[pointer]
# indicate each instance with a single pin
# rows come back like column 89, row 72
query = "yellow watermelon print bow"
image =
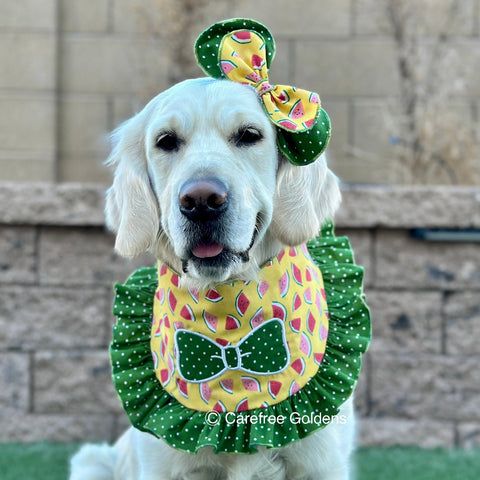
column 241, row 50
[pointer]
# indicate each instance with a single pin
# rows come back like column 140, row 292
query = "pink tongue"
column 207, row 250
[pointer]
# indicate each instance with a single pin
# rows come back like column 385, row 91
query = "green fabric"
column 267, row 341
column 299, row 147
column 152, row 410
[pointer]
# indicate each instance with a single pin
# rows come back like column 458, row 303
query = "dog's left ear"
column 306, row 197
column 131, row 209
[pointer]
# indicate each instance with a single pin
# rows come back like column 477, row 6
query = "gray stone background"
column 70, row 71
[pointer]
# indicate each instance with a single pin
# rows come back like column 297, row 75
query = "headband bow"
column 242, row 51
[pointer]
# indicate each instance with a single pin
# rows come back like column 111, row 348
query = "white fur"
column 284, row 204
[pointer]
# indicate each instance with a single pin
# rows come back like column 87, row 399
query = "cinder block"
column 423, row 432
column 347, row 69
column 84, row 17
column 339, row 113
column 33, row 318
column 469, row 434
column 410, row 263
column 82, row 257
column 406, row 322
column 28, row 122
column 433, row 17
column 74, row 382
column 27, row 166
column 83, row 124
column 37, row 427
column 28, row 61
column 462, row 313
column 420, row 386
column 17, row 255
column 14, row 383
column 86, row 168
column 328, row 18
column 28, row 15
column 83, row 139
column 111, row 64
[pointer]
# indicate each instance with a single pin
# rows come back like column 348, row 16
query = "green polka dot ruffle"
column 153, row 410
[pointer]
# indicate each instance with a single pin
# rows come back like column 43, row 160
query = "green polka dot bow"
column 242, row 50
column 263, row 351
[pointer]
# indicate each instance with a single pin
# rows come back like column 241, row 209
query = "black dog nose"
column 203, row 200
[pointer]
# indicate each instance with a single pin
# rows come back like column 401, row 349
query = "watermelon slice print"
column 297, row 275
column 295, row 324
column 187, row 313
column 305, row 345
column 241, row 303
column 227, row 385
column 213, row 296
column 314, row 98
column 318, row 357
column 262, row 288
column 287, row 124
column 299, row 365
column 219, row 407
column 231, row 323
column 160, row 295
column 257, row 319
column 193, row 293
column 297, row 111
column 211, row 321
column 242, row 36
column 307, row 296
column 172, row 301
column 175, row 279
column 273, row 388
column 323, row 333
column 182, row 386
column 279, row 311
column 242, row 406
column 297, row 302
column 311, row 322
column 283, row 97
column 251, row 384
column 205, row 392
column 294, row 388
column 257, row 62
column 227, row 66
column 163, row 270
column 283, row 284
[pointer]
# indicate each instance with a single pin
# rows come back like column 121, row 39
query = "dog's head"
column 200, row 182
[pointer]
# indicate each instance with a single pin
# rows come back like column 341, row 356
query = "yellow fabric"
column 290, row 288
column 243, row 60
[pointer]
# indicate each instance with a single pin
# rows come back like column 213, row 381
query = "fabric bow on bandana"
column 263, row 351
column 242, row 50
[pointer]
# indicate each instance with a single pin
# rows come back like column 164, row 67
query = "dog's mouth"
column 212, row 254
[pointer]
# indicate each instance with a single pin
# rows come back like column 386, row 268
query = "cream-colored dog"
column 209, row 140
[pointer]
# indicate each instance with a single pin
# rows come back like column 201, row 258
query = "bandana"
column 286, row 347
column 242, row 50
column 242, row 345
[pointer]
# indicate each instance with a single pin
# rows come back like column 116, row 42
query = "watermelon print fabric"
column 241, row 50
column 230, row 347
column 152, row 409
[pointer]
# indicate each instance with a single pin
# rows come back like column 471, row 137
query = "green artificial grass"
column 40, row 461
column 35, row 461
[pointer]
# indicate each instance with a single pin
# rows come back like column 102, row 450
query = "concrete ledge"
column 363, row 206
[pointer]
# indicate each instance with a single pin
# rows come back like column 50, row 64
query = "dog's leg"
column 265, row 465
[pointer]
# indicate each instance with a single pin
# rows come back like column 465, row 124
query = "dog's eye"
column 168, row 141
column 248, row 136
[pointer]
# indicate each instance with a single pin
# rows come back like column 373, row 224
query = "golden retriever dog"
column 206, row 148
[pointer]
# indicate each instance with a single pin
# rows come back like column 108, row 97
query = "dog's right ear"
column 131, row 209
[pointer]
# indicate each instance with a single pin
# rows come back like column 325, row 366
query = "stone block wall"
column 420, row 383
column 73, row 70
